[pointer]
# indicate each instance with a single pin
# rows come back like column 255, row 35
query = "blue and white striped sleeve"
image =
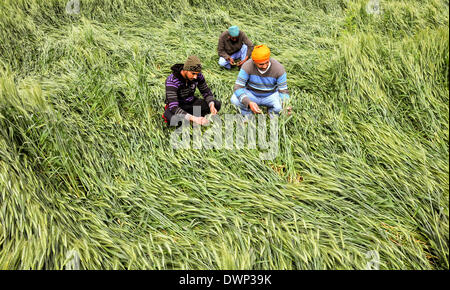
column 282, row 86
column 240, row 84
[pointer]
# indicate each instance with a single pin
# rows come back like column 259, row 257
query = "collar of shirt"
column 264, row 71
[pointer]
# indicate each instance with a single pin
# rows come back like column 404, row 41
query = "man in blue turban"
column 234, row 45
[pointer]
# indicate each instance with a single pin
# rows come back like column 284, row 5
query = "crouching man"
column 260, row 82
column 180, row 99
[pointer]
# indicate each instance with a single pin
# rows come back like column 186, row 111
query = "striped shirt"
column 260, row 84
column 181, row 91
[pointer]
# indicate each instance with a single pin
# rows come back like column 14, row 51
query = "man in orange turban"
column 261, row 82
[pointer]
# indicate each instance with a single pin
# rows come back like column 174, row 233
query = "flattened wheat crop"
column 89, row 179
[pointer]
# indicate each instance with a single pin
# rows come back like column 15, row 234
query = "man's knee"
column 171, row 119
column 235, row 101
column 275, row 103
column 223, row 62
column 244, row 49
column 277, row 109
column 217, row 105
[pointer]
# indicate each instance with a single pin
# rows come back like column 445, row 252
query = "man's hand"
column 212, row 109
column 255, row 108
column 242, row 61
column 199, row 120
column 231, row 60
column 289, row 110
column 285, row 103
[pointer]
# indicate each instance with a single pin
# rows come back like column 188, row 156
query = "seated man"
column 180, row 89
column 260, row 82
column 233, row 45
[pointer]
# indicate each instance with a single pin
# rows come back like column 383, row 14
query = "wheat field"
column 86, row 164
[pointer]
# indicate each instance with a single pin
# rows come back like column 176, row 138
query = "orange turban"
column 260, row 53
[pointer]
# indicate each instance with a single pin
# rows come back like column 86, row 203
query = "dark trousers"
column 189, row 108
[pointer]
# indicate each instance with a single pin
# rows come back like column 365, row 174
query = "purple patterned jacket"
column 181, row 91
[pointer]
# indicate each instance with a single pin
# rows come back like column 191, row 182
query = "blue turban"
column 233, row 31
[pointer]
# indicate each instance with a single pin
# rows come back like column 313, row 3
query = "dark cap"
column 192, row 64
